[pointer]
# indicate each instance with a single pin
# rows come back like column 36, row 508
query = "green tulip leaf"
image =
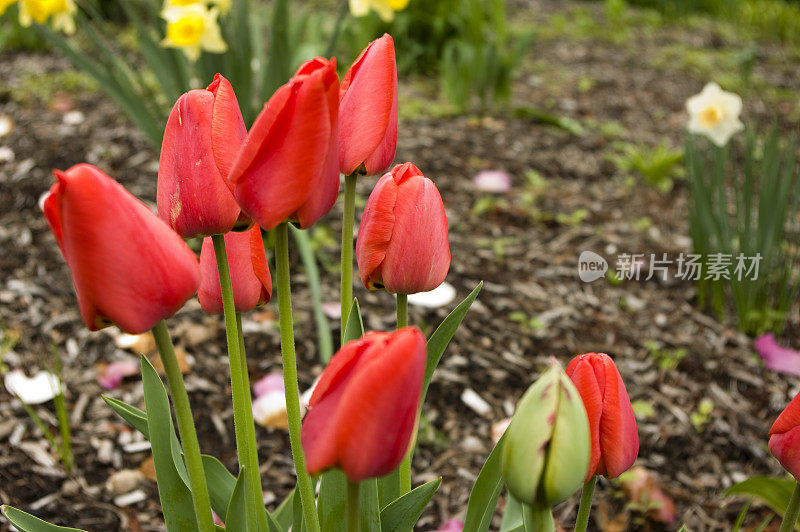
column 332, row 499
column 176, row 499
column 441, row 337
column 355, row 325
column 485, row 492
column 403, row 513
column 27, row 523
column 131, row 414
column 772, row 491
column 236, row 513
column 221, row 484
column 370, row 507
column 512, row 516
column 283, row 515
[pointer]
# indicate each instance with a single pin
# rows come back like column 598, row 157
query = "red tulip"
column 615, row 440
column 204, row 133
column 402, row 240
column 368, row 110
column 363, row 412
column 784, row 438
column 128, row 267
column 288, row 168
column 252, row 284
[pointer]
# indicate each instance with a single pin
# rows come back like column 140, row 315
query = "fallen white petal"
column 438, row 297
column 492, row 181
column 332, row 309
column 6, row 125
column 477, row 403
column 269, row 411
column 35, row 390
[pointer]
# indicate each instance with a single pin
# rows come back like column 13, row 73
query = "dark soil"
column 517, row 244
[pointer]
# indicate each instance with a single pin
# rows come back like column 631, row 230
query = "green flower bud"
column 546, row 452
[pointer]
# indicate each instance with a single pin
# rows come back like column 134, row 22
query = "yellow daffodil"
column 4, row 4
column 715, row 114
column 223, row 5
column 193, row 28
column 385, row 8
column 60, row 12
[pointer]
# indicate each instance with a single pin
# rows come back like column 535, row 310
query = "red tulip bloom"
column 252, row 284
column 288, row 168
column 363, row 412
column 784, row 438
column 615, row 440
column 368, row 110
column 128, row 267
column 402, row 241
column 204, row 133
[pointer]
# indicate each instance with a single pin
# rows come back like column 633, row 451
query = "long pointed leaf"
column 403, row 513
column 236, row 514
column 25, row 522
column 485, row 492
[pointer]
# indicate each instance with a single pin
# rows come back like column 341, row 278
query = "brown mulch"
column 519, row 246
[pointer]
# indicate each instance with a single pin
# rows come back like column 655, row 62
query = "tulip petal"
column 192, row 195
column 227, row 126
column 377, row 415
column 372, row 242
column 127, row 265
column 368, row 110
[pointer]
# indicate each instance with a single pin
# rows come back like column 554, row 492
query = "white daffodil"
column 715, row 114
column 193, row 28
column 385, row 8
column 60, row 12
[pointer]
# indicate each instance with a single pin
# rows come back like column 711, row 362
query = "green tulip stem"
column 792, row 511
column 284, row 291
column 348, row 220
column 585, row 507
column 246, row 445
column 538, row 518
column 404, row 474
column 183, row 413
column 353, row 510
column 402, row 311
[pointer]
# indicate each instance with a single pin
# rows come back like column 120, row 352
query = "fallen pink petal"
column 111, row 376
column 776, row 357
column 451, row 525
column 495, row 181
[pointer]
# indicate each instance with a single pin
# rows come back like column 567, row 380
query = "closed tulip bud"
column 402, row 241
column 363, row 412
column 615, row 440
column 546, row 450
column 368, row 110
column 784, row 438
column 128, row 267
column 288, row 166
column 247, row 261
column 203, row 135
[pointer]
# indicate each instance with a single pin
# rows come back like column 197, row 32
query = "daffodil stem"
column 284, row 290
column 183, row 414
column 585, row 507
column 792, row 511
column 347, row 249
column 405, row 466
column 353, row 509
column 246, row 445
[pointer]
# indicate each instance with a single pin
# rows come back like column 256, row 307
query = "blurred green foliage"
column 467, row 43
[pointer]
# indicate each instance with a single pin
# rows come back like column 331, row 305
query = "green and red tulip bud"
column 546, row 451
